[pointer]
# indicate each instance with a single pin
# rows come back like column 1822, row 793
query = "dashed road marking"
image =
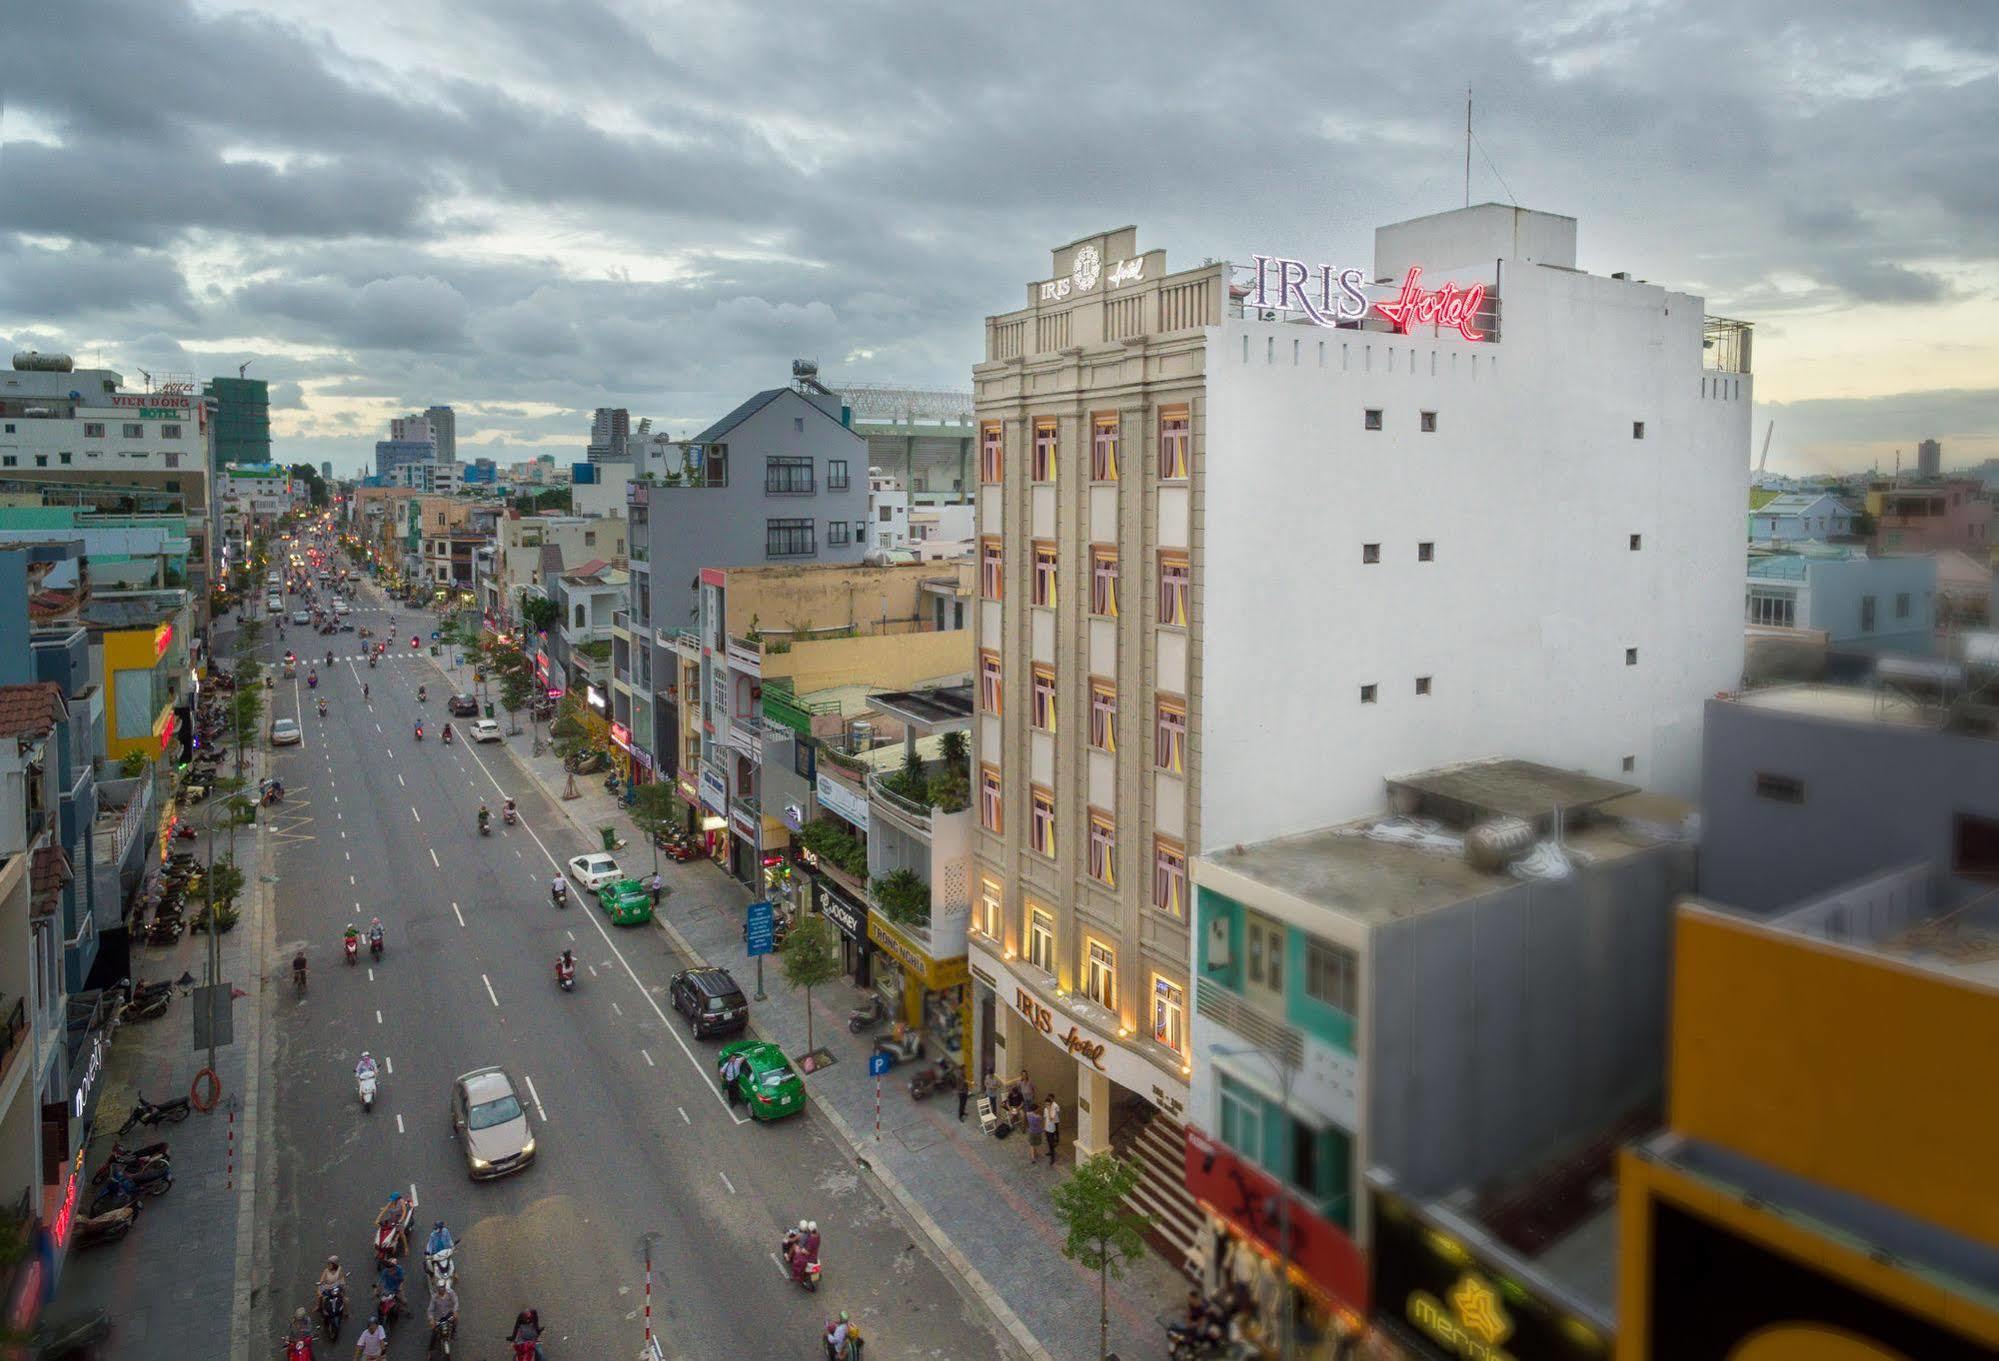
column 433, row 858
column 456, row 913
column 399, row 1123
column 378, row 1017
column 537, row 1099
column 726, row 1182
column 648, row 1058
column 489, row 989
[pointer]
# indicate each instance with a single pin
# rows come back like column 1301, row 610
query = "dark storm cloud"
column 876, row 177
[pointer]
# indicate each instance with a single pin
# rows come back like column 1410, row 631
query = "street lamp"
column 1285, row 1327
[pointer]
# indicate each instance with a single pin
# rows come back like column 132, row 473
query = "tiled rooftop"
column 29, row 710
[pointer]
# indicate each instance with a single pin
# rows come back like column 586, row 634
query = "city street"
column 634, row 1140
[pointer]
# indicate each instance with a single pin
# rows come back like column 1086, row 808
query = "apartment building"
column 1952, row 512
column 1240, row 555
column 54, row 416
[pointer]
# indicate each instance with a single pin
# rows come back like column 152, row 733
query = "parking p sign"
column 877, row 1063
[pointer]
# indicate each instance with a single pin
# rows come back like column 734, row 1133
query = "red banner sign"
column 1248, row 1198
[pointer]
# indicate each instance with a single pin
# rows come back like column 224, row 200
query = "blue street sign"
column 760, row 934
column 877, row 1063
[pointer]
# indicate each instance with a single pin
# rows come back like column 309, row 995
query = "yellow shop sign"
column 1471, row 1324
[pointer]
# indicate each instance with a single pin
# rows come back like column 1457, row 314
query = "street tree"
column 809, row 957
column 653, row 812
column 516, row 689
column 1103, row 1234
column 537, row 612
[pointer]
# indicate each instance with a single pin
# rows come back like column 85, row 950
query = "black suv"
column 710, row 1000
column 462, row 706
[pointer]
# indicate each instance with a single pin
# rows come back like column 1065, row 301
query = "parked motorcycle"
column 869, row 1014
column 109, row 1227
column 934, row 1079
column 123, row 1190
column 147, row 1113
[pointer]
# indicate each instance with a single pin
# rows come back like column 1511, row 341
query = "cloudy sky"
column 530, row 208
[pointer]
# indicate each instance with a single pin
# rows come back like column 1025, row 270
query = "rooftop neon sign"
column 1328, row 296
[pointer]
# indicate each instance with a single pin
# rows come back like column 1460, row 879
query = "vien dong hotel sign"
column 1329, row 296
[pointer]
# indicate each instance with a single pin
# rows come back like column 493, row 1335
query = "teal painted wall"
column 1323, row 1022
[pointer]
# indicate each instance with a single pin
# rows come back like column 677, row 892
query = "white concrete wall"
column 1529, row 488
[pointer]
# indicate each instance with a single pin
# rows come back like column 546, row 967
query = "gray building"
column 781, row 479
column 1861, row 604
column 1929, row 458
column 1809, row 787
column 610, row 435
column 443, row 432
column 391, row 454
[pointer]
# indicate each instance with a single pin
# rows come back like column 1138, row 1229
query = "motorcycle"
column 808, row 1278
column 375, row 944
column 560, row 893
column 930, row 1080
column 388, row 1308
column 312, row 680
column 109, row 1227
column 366, row 1082
column 901, row 1047
column 352, row 946
column 371, row 661
column 565, row 976
column 441, row 1268
column 332, row 1310
column 419, row 732
column 869, row 1014
column 146, row 1009
column 123, row 1190
column 171, row 1112
column 322, row 708
column 509, row 814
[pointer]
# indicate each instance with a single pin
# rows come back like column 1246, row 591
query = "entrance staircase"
column 1158, row 1146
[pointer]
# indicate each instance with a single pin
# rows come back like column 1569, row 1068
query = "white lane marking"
column 648, row 1058
column 779, row 1265
column 378, row 1016
column 348, row 854
column 350, row 881
column 433, row 858
column 632, row 974
column 683, row 1115
column 391, row 1064
column 413, row 813
column 401, row 781
column 371, row 973
column 536, row 1096
column 414, row 1202
column 592, row 968
column 615, row 1007
column 340, row 816
column 399, row 1123
column 726, row 1182
column 343, row 836
column 489, row 989
column 571, row 935
column 456, row 913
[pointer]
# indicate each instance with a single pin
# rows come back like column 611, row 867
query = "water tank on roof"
column 860, row 736
column 34, row 361
column 1494, row 844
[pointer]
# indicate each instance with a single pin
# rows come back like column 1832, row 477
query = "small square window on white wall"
column 1372, row 419
column 1430, row 419
column 1638, row 430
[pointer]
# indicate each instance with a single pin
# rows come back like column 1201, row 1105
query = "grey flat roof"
column 1521, row 789
column 1842, row 702
column 939, row 710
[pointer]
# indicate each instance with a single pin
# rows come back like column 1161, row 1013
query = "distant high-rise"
column 326, row 469
column 242, row 419
column 411, row 428
column 1929, row 458
column 444, row 431
column 610, row 434
column 391, row 454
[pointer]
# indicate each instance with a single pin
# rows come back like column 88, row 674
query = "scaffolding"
column 910, row 406
column 1725, row 344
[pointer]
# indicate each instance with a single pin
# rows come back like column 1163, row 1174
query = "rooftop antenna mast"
column 1467, row 146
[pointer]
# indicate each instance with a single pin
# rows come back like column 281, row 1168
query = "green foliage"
column 654, row 812
column 809, row 957
column 134, row 764
column 538, row 612
column 224, row 882
column 950, row 791
column 830, row 841
column 904, row 896
column 1102, row 1234
column 957, row 751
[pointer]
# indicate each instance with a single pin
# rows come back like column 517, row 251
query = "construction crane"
column 1768, row 430
column 244, row 367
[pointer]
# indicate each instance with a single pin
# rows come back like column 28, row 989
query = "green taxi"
column 767, row 1085
column 626, row 901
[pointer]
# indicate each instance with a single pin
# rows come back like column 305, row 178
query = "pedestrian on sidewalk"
column 964, row 1094
column 1033, row 1134
column 1051, row 1124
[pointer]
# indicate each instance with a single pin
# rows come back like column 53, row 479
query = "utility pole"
column 1467, row 146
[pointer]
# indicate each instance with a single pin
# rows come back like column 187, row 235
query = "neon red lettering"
column 1447, row 306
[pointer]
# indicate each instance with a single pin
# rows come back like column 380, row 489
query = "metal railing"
column 909, row 809
column 1234, row 1013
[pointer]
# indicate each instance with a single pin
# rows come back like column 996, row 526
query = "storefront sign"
column 151, row 399
column 622, row 736
column 1453, row 1304
column 66, row 1215
column 852, row 918
column 160, row 413
column 91, row 1067
column 643, row 757
column 794, row 817
column 937, row 974
column 1328, row 296
column 746, row 825
column 1088, row 270
column 1248, row 1198
column 714, row 793
column 848, row 803
column 1043, row 1020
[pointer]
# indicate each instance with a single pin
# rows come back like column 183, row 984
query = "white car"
column 486, row 730
column 301, row 616
column 340, row 607
column 285, row 732
column 595, row 871
column 274, row 605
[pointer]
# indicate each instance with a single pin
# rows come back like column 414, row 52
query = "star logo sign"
column 1479, row 1310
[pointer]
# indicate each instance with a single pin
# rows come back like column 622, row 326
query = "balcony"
column 745, row 655
column 913, row 812
column 747, row 737
column 1234, row 1014
column 785, row 708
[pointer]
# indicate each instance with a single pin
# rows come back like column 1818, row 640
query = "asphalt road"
column 633, row 1136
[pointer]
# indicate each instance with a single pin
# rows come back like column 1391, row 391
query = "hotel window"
column 1041, row 829
column 1175, row 435
column 1100, row 975
column 1103, row 714
column 992, row 454
column 1103, row 450
column 1169, row 876
column 989, row 799
column 170, row 432
column 1772, row 608
column 1265, row 941
column 1044, row 451
column 1103, row 848
column 135, row 430
column 1169, row 736
column 91, row 429
column 1103, row 581
column 1332, row 976
column 991, row 901
column 989, row 682
column 1426, row 552
column 1044, row 573
column 1040, row 940
column 1169, row 1014
column 1370, row 553
column 992, row 569
column 1042, row 711
column 1175, row 589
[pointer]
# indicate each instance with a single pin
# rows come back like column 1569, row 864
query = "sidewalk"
column 984, row 1207
column 180, row 1284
